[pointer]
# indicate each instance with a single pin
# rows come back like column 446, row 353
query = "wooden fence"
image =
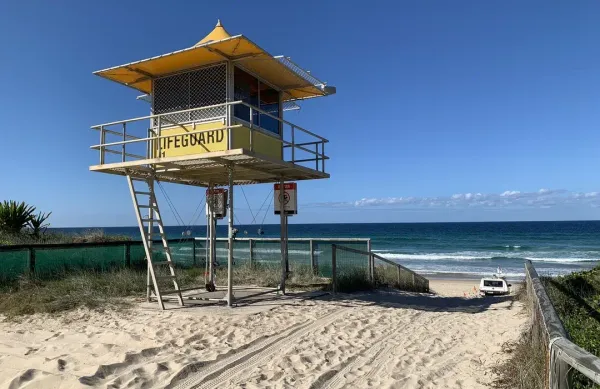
column 562, row 355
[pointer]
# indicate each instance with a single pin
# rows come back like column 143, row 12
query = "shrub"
column 14, row 217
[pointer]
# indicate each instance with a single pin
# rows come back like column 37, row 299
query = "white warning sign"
column 289, row 198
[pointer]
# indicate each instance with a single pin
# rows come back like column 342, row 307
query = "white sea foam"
column 474, row 273
column 471, row 256
column 259, row 250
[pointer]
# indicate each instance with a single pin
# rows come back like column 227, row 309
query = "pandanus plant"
column 14, row 217
column 38, row 224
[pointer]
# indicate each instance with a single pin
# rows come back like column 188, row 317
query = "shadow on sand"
column 390, row 298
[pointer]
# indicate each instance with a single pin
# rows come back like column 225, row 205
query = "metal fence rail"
column 562, row 355
column 382, row 271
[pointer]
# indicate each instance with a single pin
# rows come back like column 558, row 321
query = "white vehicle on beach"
column 495, row 285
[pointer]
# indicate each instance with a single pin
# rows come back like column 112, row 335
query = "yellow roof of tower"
column 216, row 47
column 217, row 34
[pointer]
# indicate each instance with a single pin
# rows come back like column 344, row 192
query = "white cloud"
column 543, row 198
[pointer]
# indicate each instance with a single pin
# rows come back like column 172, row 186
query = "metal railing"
column 403, row 277
column 148, row 137
column 562, row 355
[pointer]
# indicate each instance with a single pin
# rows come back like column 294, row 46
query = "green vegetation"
column 85, row 289
column 98, row 290
column 525, row 367
column 38, row 223
column 15, row 217
column 354, row 279
column 20, row 224
column 387, row 276
column 88, row 236
column 576, row 298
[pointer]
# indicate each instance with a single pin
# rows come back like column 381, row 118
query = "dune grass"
column 99, row 289
column 96, row 289
column 88, row 236
column 524, row 369
column 576, row 298
column 82, row 289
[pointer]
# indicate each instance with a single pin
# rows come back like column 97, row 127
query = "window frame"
column 259, row 80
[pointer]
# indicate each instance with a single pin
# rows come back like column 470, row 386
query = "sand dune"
column 383, row 340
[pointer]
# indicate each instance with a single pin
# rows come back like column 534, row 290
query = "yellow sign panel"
column 185, row 140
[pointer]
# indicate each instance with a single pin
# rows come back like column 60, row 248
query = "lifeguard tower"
column 217, row 119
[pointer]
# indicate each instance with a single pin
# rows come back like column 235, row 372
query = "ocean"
column 466, row 249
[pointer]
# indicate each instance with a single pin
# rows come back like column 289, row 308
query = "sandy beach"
column 450, row 339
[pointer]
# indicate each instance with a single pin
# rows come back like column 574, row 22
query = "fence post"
column 399, row 270
column 334, row 268
column 194, row 252
column 371, row 262
column 559, row 374
column 414, row 281
column 313, row 264
column 251, row 253
column 31, row 260
column 127, row 255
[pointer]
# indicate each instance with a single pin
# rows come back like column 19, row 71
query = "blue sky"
column 445, row 109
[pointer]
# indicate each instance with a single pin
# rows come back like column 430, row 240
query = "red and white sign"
column 289, row 198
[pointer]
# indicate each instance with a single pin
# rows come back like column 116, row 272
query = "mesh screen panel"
column 51, row 261
column 198, row 88
column 13, row 264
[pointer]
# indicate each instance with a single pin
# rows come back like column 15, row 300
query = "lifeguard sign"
column 289, row 199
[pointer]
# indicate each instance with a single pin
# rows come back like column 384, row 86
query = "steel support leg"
column 283, row 237
column 230, row 241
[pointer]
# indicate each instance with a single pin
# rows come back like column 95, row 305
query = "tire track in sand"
column 385, row 356
column 222, row 371
column 373, row 356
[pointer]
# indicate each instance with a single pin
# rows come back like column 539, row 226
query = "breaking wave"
column 474, row 256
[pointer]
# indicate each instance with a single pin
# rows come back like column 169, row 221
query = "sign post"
column 216, row 208
column 285, row 203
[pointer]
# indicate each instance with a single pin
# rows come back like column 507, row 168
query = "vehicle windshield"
column 492, row 283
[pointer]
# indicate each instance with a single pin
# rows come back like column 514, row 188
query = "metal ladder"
column 146, row 225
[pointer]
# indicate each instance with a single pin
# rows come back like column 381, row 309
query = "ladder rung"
column 138, row 179
column 143, row 193
column 158, row 248
column 146, row 206
column 147, row 220
column 160, row 263
column 165, row 292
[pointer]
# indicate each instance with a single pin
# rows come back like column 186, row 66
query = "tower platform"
column 211, row 168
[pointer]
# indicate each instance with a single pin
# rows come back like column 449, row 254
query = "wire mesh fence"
column 49, row 260
column 356, row 269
